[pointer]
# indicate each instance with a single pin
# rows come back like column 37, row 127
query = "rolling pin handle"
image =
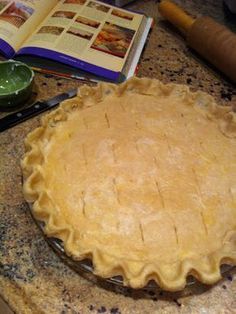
column 174, row 14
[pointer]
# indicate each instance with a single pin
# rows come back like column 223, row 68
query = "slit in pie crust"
column 140, row 178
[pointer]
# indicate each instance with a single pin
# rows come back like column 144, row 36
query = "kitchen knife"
column 38, row 107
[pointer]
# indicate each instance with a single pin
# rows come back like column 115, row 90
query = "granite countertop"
column 33, row 279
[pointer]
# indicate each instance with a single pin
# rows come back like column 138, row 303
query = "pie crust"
column 140, row 178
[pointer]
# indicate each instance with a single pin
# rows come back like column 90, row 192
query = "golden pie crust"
column 140, row 178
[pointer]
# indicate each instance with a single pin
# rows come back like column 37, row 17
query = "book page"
column 90, row 31
column 19, row 18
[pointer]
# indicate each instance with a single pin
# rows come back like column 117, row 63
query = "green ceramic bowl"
column 16, row 81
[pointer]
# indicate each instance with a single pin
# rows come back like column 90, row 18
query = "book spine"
column 71, row 61
column 6, row 50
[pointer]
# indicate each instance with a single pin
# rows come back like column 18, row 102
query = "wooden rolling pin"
column 211, row 40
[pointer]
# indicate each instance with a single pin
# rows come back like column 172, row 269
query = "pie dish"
column 140, row 178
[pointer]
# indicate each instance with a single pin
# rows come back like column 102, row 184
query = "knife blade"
column 38, row 107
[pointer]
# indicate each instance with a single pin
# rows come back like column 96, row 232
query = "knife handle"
column 20, row 116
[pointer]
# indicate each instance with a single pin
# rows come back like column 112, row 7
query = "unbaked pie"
column 140, row 178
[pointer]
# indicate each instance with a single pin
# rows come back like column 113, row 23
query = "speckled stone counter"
column 33, row 279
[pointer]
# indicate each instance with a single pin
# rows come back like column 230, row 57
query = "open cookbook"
column 76, row 37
